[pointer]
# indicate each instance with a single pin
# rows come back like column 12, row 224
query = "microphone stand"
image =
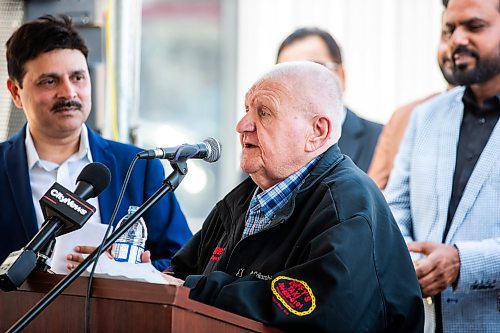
column 44, row 255
column 168, row 185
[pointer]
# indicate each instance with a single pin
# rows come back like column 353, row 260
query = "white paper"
column 91, row 234
column 145, row 272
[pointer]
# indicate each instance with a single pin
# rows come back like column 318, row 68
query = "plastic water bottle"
column 130, row 246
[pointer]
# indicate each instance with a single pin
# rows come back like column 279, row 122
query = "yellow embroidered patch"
column 294, row 295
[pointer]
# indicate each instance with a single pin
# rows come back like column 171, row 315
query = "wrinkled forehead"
column 276, row 89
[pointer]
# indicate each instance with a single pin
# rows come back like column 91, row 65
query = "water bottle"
column 130, row 246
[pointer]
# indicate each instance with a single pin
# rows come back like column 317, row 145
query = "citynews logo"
column 67, row 201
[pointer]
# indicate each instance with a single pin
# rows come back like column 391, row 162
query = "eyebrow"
column 468, row 22
column 55, row 75
column 474, row 20
column 47, row 75
column 80, row 71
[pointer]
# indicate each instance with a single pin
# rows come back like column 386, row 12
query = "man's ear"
column 13, row 87
column 321, row 130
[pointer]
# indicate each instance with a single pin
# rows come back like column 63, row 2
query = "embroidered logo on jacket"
column 261, row 276
column 294, row 295
column 217, row 253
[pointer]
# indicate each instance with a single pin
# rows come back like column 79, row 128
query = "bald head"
column 312, row 88
column 292, row 115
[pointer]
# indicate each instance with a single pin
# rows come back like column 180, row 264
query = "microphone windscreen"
column 97, row 175
column 215, row 149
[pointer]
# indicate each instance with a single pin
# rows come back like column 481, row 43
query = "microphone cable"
column 100, row 248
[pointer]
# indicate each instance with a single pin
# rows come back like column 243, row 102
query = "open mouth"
column 457, row 57
column 249, row 145
column 463, row 56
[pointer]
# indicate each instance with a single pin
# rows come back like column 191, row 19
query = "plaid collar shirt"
column 264, row 205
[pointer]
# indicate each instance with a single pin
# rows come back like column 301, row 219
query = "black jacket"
column 332, row 260
column 359, row 139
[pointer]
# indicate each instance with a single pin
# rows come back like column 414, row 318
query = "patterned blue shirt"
column 264, row 205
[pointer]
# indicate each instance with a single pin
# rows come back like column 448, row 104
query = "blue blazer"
column 359, row 138
column 167, row 227
column 419, row 192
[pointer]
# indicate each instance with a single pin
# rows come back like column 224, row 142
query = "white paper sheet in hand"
column 90, row 234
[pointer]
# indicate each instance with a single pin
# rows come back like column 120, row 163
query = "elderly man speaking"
column 307, row 243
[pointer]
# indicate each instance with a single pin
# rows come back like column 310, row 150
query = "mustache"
column 66, row 104
column 465, row 50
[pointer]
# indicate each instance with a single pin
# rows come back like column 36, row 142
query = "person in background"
column 392, row 133
column 359, row 136
column 49, row 80
column 307, row 243
column 445, row 184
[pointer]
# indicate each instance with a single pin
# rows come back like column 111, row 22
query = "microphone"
column 92, row 180
column 71, row 208
column 64, row 212
column 209, row 150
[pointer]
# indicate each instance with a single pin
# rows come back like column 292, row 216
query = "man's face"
column 444, row 60
column 312, row 48
column 472, row 28
column 273, row 133
column 56, row 93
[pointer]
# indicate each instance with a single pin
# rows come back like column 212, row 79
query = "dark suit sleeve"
column 167, row 226
column 335, row 286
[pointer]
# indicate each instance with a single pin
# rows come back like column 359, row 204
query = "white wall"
column 389, row 46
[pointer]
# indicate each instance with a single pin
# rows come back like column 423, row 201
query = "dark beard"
column 448, row 76
column 485, row 69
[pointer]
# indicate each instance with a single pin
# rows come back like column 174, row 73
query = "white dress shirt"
column 45, row 173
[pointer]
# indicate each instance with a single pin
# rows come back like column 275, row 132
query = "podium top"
column 131, row 293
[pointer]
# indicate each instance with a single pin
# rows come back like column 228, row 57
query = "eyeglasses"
column 330, row 65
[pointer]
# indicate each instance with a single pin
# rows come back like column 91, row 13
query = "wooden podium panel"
column 118, row 306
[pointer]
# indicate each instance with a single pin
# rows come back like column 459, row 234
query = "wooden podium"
column 118, row 306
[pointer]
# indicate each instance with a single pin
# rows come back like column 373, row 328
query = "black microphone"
column 209, row 150
column 93, row 178
column 64, row 212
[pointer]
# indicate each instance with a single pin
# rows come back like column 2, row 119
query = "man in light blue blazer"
column 49, row 80
column 444, row 190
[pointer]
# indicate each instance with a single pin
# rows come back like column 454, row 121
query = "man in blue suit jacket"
column 359, row 136
column 444, row 189
column 49, row 80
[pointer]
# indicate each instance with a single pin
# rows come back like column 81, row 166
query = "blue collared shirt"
column 264, row 205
